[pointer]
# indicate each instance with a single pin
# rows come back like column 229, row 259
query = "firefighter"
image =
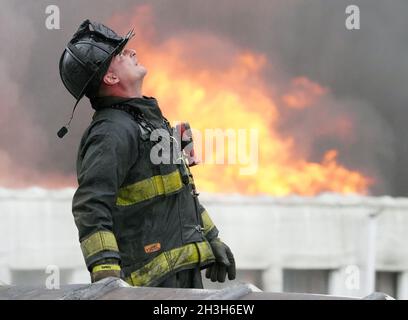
column 137, row 220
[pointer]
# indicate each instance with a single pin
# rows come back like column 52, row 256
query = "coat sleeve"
column 103, row 162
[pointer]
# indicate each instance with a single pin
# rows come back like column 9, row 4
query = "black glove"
column 104, row 269
column 224, row 262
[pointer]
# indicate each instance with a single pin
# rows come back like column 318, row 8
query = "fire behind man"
column 137, row 220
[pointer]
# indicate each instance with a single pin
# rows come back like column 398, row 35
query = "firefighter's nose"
column 132, row 52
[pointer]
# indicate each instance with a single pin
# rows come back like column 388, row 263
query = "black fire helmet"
column 86, row 60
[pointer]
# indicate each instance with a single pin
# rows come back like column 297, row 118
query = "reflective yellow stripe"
column 149, row 188
column 104, row 267
column 171, row 260
column 208, row 223
column 97, row 242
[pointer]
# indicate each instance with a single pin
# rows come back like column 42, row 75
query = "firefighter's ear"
column 110, row 79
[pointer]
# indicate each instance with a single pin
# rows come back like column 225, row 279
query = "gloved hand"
column 104, row 269
column 224, row 262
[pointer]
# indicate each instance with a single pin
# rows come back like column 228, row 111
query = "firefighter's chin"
column 141, row 70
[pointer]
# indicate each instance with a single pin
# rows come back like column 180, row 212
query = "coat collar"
column 147, row 106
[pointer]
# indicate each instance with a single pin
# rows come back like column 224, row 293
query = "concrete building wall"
column 296, row 243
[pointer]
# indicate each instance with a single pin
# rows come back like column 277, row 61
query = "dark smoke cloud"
column 365, row 71
column 22, row 140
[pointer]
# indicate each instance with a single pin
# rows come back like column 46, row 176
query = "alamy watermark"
column 52, row 21
column 52, row 282
column 211, row 146
column 353, row 17
column 352, row 279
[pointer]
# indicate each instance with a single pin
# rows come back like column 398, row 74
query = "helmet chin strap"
column 64, row 130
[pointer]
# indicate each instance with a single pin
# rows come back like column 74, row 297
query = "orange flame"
column 206, row 80
column 304, row 93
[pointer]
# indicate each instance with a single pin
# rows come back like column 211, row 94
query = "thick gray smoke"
column 365, row 70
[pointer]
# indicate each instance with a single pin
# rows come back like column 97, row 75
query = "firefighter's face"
column 126, row 68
